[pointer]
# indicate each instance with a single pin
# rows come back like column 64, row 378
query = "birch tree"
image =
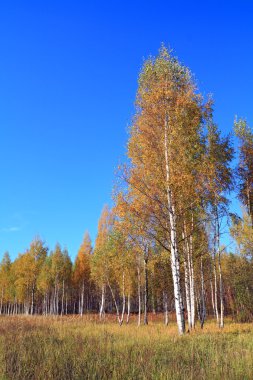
column 100, row 259
column 219, row 183
column 5, row 280
column 165, row 136
column 245, row 165
column 82, row 272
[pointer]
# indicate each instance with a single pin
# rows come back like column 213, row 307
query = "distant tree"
column 59, row 262
column 241, row 230
column 5, row 280
column 26, row 270
column 100, row 263
column 45, row 284
column 219, row 181
column 245, row 166
column 37, row 252
column 82, row 272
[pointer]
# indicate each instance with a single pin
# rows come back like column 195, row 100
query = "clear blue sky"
column 68, row 77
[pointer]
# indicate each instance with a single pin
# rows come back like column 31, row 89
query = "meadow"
column 45, row 348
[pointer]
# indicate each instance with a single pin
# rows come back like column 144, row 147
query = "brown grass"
column 45, row 348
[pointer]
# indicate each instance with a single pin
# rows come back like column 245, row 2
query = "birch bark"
column 145, row 320
column 203, row 304
column 128, row 308
column 175, row 264
column 139, row 296
column 220, row 271
column 102, row 305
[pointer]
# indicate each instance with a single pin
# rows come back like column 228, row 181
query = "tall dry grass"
column 84, row 348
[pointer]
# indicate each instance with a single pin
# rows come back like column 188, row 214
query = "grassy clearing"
column 73, row 348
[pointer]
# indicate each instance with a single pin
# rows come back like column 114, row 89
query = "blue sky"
column 68, row 77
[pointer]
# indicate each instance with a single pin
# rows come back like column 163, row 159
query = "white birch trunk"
column 192, row 278
column 128, row 309
column 82, row 300
column 145, row 319
column 2, row 296
column 62, row 298
column 115, row 302
column 139, row 296
column 187, row 294
column 124, row 300
column 212, row 296
column 175, row 264
column 102, row 305
column 32, row 304
column 203, row 304
column 165, row 303
column 220, row 272
column 215, row 292
column 186, row 277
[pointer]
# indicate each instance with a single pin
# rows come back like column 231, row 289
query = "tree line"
column 160, row 248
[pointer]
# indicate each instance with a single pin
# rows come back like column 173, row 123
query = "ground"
column 45, row 348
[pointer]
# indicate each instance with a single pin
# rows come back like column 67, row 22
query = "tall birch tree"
column 164, row 149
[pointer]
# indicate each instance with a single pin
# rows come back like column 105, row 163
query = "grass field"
column 83, row 348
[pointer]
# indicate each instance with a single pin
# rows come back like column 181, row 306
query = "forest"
column 164, row 246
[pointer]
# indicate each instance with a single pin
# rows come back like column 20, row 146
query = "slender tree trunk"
column 139, row 296
column 186, row 276
column 153, row 300
column 66, row 306
column 124, row 300
column 153, row 303
column 203, row 304
column 102, row 305
column 249, row 202
column 57, row 300
column 32, row 305
column 175, row 263
column 62, row 298
column 46, row 303
column 145, row 289
column 128, row 308
column 2, row 296
column 82, row 300
column 212, row 295
column 215, row 291
column 187, row 293
column 165, row 303
column 192, row 278
column 220, row 272
column 221, row 294
column 115, row 302
column 189, row 276
column 51, row 303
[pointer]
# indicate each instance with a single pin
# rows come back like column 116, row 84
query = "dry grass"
column 84, row 348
